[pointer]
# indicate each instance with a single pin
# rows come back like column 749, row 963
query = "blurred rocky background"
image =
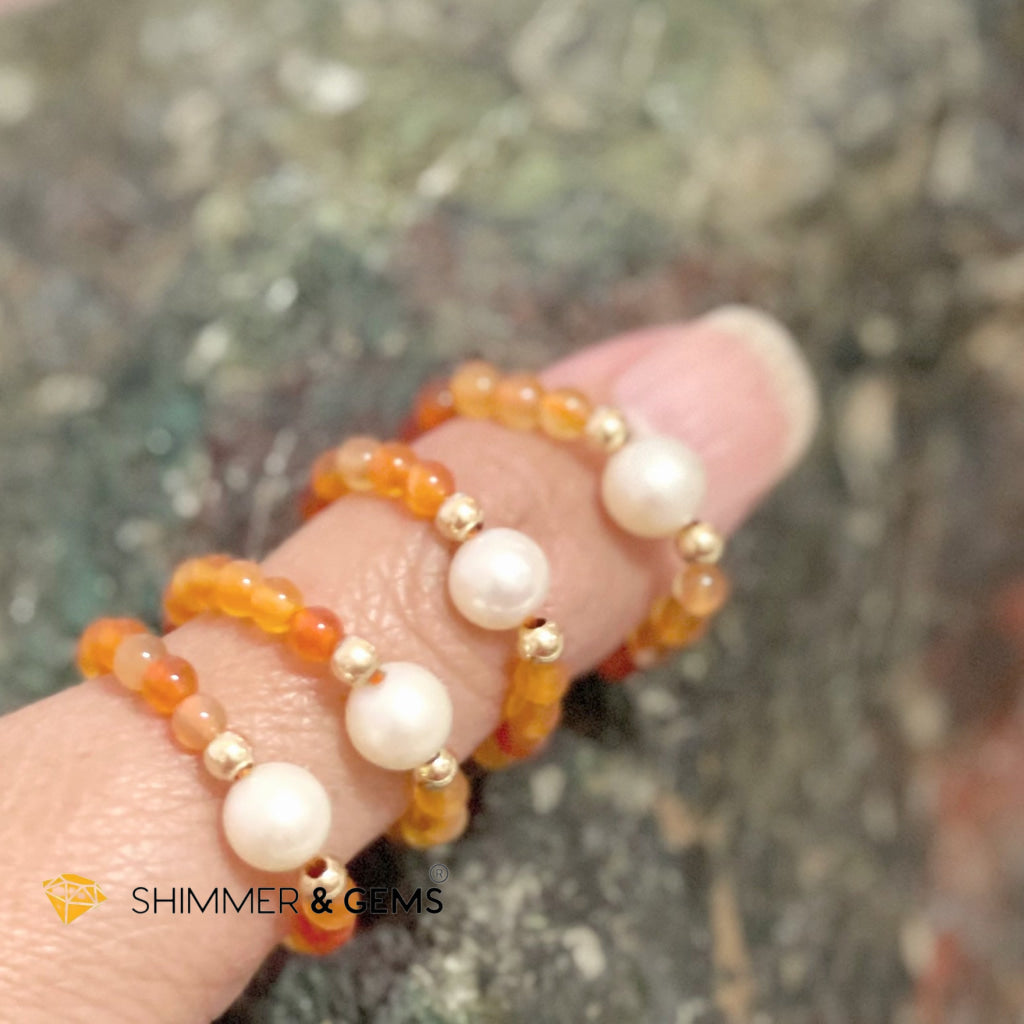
column 231, row 232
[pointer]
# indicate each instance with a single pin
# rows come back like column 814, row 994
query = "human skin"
column 94, row 785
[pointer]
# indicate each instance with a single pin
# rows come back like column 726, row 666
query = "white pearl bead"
column 276, row 816
column 401, row 721
column 653, row 487
column 499, row 578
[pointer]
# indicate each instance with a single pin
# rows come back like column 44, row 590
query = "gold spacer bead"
column 354, row 661
column 459, row 518
column 700, row 542
column 326, row 873
column 607, row 429
column 228, row 756
column 540, row 640
column 438, row 772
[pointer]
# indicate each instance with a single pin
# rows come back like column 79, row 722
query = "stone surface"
column 214, row 215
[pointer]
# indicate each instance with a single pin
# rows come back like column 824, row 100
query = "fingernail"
column 778, row 352
column 735, row 386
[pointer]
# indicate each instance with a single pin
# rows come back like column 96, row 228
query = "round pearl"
column 499, row 578
column 276, row 817
column 653, row 487
column 401, row 721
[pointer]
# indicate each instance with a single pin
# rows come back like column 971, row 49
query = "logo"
column 72, row 895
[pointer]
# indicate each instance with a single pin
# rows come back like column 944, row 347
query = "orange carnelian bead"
column 193, row 583
column 673, row 625
column 473, row 388
column 617, row 666
column 389, row 468
column 533, row 722
column 427, row 487
column 701, row 589
column 564, row 414
column 196, row 720
column 99, row 643
column 643, row 646
column 326, row 480
column 167, row 682
column 179, row 606
column 442, row 802
column 313, row 633
column 354, row 458
column 236, row 584
column 274, row 604
column 306, row 937
column 514, row 746
column 434, row 404
column 339, row 919
column 176, row 613
column 310, row 504
column 517, row 400
column 490, row 756
column 421, row 831
column 134, row 655
column 535, row 683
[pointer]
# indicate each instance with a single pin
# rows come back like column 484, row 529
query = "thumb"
column 136, row 811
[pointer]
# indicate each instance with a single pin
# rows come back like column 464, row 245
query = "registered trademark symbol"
column 438, row 873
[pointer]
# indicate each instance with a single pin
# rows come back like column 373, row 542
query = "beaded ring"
column 276, row 815
column 397, row 714
column 537, row 681
column 650, row 486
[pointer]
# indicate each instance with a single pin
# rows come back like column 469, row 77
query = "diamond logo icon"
column 72, row 895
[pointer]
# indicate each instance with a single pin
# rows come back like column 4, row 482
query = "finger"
column 115, row 801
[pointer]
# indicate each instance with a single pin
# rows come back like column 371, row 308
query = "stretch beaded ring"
column 276, row 815
column 377, row 708
column 537, row 681
column 650, row 487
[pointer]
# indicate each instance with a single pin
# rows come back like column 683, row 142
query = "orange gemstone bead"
column 533, row 722
column 701, row 589
column 196, row 720
column 192, row 586
column 354, row 458
column 434, row 404
column 535, row 683
column 421, row 831
column 313, row 633
column 389, row 468
column 178, row 604
column 167, row 682
column 339, row 919
column 643, row 646
column 490, row 756
column 517, row 401
column 673, row 626
column 176, row 612
column 473, row 389
column 310, row 504
column 98, row 644
column 443, row 802
column 326, row 480
column 274, row 604
column 236, row 584
column 564, row 414
column 134, row 655
column 426, row 488
column 306, row 937
column 515, row 746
